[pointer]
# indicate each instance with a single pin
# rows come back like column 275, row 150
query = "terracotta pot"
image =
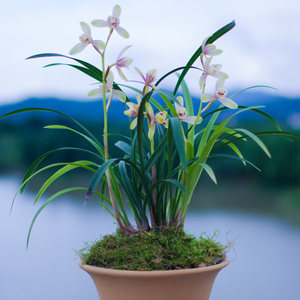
column 187, row 284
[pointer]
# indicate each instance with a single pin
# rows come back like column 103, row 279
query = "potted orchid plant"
column 148, row 189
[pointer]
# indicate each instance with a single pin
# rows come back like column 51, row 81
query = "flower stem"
column 105, row 143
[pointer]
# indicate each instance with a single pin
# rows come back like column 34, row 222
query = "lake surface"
column 264, row 264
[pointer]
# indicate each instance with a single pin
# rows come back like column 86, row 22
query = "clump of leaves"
column 163, row 249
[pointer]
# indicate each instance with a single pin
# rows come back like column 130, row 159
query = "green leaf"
column 170, row 104
column 179, row 139
column 69, row 166
column 157, row 153
column 198, row 52
column 37, row 162
column 237, row 158
column 53, row 197
column 209, row 171
column 99, row 174
column 91, row 141
column 187, row 98
column 174, row 182
column 257, row 140
column 125, row 147
column 253, row 87
column 81, row 69
column 50, row 110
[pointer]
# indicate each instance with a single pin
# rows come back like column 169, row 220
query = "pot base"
column 186, row 284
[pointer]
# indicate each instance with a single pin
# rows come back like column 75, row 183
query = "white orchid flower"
column 133, row 111
column 210, row 49
column 108, row 89
column 113, row 22
column 220, row 94
column 182, row 112
column 149, row 79
column 153, row 119
column 211, row 70
column 85, row 40
column 123, row 62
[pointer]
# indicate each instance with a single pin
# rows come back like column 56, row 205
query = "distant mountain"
column 281, row 108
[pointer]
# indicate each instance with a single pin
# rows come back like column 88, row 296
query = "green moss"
column 155, row 250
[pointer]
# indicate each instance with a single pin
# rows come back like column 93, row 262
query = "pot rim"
column 112, row 272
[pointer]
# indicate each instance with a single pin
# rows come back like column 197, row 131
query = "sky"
column 263, row 48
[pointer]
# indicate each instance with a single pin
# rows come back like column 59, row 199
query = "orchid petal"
column 192, row 120
column 220, row 82
column 140, row 73
column 180, row 100
column 95, row 92
column 119, row 95
column 133, row 124
column 99, row 44
column 151, row 131
column 100, row 23
column 228, row 103
column 77, row 48
column 123, row 51
column 86, row 28
column 207, row 62
column 138, row 98
column 121, row 74
column 204, row 43
column 216, row 52
column 202, row 80
column 122, row 32
column 116, row 11
column 207, row 97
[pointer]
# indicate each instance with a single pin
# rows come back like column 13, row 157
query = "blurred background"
column 260, row 211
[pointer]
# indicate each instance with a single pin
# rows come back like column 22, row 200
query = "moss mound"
column 154, row 250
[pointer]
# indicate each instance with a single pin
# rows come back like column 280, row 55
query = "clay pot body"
column 187, row 284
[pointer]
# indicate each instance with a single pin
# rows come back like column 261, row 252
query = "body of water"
column 264, row 262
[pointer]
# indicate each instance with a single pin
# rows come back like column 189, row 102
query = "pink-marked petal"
column 122, row 32
column 123, row 51
column 140, row 73
column 133, row 124
column 119, row 95
column 109, row 80
column 77, row 48
column 228, row 103
column 207, row 97
column 86, row 28
column 99, row 23
column 116, row 11
column 99, row 44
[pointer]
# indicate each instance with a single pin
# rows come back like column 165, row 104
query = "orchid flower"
column 210, row 70
column 133, row 111
column 149, row 79
column 182, row 112
column 86, row 39
column 159, row 118
column 122, row 62
column 220, row 94
column 108, row 89
column 210, row 49
column 113, row 22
